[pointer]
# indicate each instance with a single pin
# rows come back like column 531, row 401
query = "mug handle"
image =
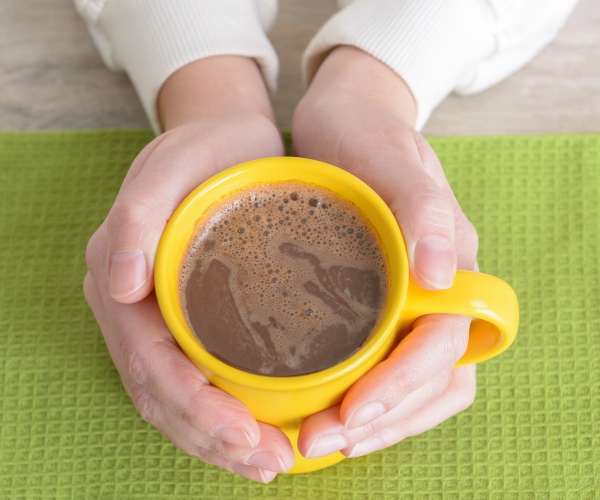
column 489, row 300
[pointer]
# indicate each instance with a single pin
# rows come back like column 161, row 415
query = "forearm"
column 152, row 39
column 212, row 88
column 441, row 46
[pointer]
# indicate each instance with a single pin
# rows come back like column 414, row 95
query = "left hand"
column 206, row 106
column 358, row 115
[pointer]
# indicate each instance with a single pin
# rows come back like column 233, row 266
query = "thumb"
column 160, row 178
column 120, row 255
column 136, row 221
column 147, row 199
column 426, row 217
column 134, row 227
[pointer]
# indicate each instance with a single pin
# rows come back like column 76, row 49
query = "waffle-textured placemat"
column 68, row 430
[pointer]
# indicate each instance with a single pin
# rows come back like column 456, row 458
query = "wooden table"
column 52, row 78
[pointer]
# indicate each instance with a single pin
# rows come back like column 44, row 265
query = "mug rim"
column 176, row 236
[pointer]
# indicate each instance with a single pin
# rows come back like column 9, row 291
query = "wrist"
column 211, row 88
column 350, row 72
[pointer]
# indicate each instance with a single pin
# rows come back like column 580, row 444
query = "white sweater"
column 437, row 46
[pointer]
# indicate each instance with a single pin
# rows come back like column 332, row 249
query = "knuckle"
column 467, row 240
column 216, row 446
column 89, row 291
column 138, row 221
column 210, row 457
column 457, row 346
column 468, row 392
column 92, row 249
column 127, row 215
column 212, row 454
column 430, row 212
column 441, row 382
column 407, row 381
column 370, row 429
column 88, row 286
column 207, row 408
column 135, row 363
column 389, row 437
column 467, row 400
column 145, row 405
column 469, row 234
column 402, row 380
column 457, row 342
column 202, row 454
column 192, row 412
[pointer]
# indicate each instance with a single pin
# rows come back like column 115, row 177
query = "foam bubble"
column 255, row 259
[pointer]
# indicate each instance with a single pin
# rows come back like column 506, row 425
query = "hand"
column 358, row 114
column 212, row 123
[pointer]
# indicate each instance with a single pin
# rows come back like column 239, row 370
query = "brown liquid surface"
column 284, row 279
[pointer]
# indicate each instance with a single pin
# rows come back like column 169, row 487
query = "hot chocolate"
column 283, row 279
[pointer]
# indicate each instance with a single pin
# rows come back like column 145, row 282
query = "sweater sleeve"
column 441, row 46
column 151, row 39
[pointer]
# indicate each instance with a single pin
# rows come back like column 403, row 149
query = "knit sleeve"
column 151, row 39
column 441, row 46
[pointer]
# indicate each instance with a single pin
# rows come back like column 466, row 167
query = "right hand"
column 166, row 388
column 358, row 115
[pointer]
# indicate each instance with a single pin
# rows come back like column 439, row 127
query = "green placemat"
column 68, row 430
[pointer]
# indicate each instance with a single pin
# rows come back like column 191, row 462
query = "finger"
column 467, row 242
column 458, row 396
column 139, row 216
column 465, row 238
column 215, row 457
column 426, row 215
column 272, row 453
column 254, row 473
column 414, row 187
column 416, row 191
column 418, row 371
column 153, row 191
column 131, row 271
column 150, row 363
column 426, row 354
column 230, row 445
column 140, row 160
column 324, row 433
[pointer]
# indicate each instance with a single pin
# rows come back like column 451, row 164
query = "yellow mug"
column 285, row 401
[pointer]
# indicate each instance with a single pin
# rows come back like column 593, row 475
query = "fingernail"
column 128, row 273
column 248, row 471
column 268, row 461
column 266, row 475
column 365, row 447
column 234, row 436
column 434, row 262
column 365, row 415
column 326, row 445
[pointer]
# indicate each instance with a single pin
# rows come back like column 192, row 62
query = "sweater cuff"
column 433, row 45
column 151, row 39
